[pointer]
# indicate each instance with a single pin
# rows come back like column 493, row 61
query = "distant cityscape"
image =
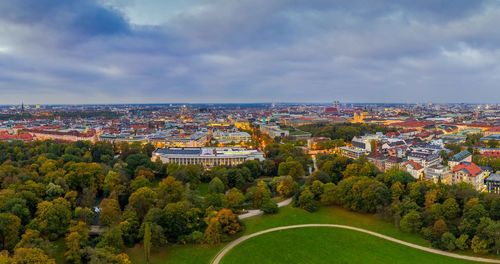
column 220, row 134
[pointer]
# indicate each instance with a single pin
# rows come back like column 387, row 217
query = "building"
column 119, row 138
column 493, row 183
column 415, row 169
column 273, row 131
column 492, row 131
column 365, row 142
column 464, row 156
column 470, row 173
column 352, row 152
column 438, row 173
column 207, row 157
column 62, row 135
column 426, row 159
column 231, row 137
column 195, row 140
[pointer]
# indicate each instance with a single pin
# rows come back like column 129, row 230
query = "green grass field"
column 199, row 254
column 326, row 245
column 287, row 216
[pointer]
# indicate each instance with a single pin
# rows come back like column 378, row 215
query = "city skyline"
column 128, row 51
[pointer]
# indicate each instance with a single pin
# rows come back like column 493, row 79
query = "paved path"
column 236, row 242
column 257, row 212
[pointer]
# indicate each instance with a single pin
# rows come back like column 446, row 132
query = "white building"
column 207, row 157
column 228, row 137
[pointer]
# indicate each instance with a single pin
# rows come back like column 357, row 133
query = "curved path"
column 236, row 242
column 257, row 212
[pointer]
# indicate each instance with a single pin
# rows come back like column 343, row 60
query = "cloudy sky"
column 132, row 51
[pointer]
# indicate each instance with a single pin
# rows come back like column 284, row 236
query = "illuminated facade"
column 207, row 157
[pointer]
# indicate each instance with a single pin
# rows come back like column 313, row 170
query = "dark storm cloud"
column 260, row 50
column 75, row 16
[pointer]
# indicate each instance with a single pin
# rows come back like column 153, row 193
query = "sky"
column 194, row 51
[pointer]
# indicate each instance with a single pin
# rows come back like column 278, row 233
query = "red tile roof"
column 415, row 165
column 494, row 129
column 469, row 167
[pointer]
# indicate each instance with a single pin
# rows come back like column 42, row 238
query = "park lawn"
column 186, row 254
column 288, row 215
column 327, row 245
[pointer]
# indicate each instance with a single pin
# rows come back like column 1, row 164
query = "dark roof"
column 493, row 178
column 460, row 156
column 180, row 151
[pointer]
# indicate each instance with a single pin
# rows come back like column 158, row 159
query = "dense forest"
column 344, row 131
column 53, row 192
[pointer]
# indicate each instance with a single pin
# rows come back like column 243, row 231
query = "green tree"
column 286, row 186
column 147, row 241
column 234, row 199
column 307, row 201
column 292, row 168
column 142, row 200
column 170, row 191
column 411, row 222
column 52, row 218
column 212, row 233
column 451, row 209
column 462, row 242
column 216, row 186
column 448, row 240
column 479, row 246
column 109, row 212
column 31, row 256
column 9, row 230
column 330, row 194
column 261, row 194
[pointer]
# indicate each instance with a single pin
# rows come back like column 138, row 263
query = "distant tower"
column 22, row 106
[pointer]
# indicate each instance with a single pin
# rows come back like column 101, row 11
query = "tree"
column 451, row 209
column 52, row 218
column 439, row 228
column 330, row 193
column 261, row 194
column 31, row 256
column 269, row 207
column 147, row 241
column 411, row 222
column 228, row 222
column 115, row 183
column 76, row 239
column 216, row 186
column 479, row 246
column 109, row 212
column 292, row 168
column 31, row 239
column 317, row 189
column 142, row 200
column 73, row 251
column 212, row 233
column 112, row 239
column 170, row 191
column 462, row 242
column 320, row 176
column 397, row 191
column 448, row 241
column 307, row 201
column 234, row 199
column 9, row 230
column 286, row 186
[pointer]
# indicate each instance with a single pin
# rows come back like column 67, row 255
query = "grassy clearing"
column 327, row 245
column 178, row 254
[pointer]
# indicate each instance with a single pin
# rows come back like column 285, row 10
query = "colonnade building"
column 207, row 157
